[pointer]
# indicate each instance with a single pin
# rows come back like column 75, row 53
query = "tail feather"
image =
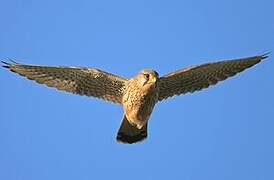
column 130, row 134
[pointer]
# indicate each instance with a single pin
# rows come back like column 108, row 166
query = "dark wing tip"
column 14, row 62
column 265, row 55
column 8, row 64
column 5, row 64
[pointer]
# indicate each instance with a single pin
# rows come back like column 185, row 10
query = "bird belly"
column 138, row 110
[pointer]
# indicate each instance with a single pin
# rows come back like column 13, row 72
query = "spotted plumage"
column 139, row 94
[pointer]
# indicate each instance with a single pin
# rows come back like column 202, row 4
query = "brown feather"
column 195, row 78
column 77, row 80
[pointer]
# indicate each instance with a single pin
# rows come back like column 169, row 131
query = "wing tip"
column 8, row 65
column 5, row 64
column 265, row 55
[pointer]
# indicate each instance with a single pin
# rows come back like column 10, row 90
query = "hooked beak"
column 152, row 80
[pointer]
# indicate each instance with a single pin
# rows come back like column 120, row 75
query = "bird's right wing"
column 198, row 77
column 77, row 80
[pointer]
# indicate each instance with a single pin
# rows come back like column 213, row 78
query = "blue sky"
column 224, row 132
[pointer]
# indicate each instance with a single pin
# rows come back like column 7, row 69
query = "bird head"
column 148, row 78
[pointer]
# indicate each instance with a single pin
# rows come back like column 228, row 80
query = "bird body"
column 138, row 95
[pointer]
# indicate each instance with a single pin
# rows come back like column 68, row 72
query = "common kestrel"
column 139, row 94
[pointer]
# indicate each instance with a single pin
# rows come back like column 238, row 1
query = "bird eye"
column 147, row 76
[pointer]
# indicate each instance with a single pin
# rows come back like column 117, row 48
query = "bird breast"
column 138, row 104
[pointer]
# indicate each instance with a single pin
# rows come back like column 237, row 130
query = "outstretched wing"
column 77, row 80
column 198, row 77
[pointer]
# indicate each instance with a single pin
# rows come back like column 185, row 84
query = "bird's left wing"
column 77, row 80
column 198, row 77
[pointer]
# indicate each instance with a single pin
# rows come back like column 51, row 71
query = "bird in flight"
column 139, row 94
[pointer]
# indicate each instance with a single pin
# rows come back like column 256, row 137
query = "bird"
column 137, row 95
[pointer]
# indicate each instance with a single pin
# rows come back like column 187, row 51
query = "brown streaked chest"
column 136, row 96
column 139, row 102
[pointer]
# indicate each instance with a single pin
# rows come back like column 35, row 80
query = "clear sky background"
column 224, row 132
